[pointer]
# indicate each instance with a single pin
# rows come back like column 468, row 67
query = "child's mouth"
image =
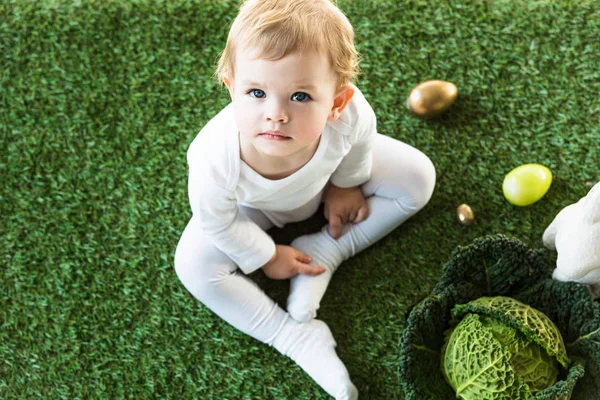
column 274, row 136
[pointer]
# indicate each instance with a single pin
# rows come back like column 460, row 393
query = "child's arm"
column 344, row 201
column 236, row 235
column 232, row 232
column 355, row 168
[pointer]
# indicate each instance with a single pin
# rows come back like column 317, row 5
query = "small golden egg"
column 465, row 214
column 431, row 98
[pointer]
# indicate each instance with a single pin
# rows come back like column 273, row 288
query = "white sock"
column 307, row 291
column 312, row 347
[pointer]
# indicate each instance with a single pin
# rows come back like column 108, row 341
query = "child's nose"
column 276, row 113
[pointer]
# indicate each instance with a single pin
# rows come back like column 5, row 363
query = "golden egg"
column 465, row 214
column 431, row 98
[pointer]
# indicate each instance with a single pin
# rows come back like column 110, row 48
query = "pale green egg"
column 526, row 184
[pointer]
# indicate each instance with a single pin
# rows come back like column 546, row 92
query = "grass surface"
column 99, row 102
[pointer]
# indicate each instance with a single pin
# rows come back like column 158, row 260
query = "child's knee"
column 403, row 173
column 183, row 264
column 424, row 181
column 201, row 268
column 188, row 271
column 417, row 183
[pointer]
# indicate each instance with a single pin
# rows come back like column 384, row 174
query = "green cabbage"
column 501, row 349
column 477, row 366
column 494, row 266
column 538, row 369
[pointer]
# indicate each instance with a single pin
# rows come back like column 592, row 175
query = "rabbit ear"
column 549, row 236
column 592, row 203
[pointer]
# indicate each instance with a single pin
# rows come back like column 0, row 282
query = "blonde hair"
column 281, row 27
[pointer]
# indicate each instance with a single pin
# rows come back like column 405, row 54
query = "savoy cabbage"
column 502, row 348
column 500, row 266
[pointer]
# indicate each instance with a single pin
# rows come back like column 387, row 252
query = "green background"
column 99, row 101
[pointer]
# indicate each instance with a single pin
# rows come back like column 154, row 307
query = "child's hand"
column 289, row 262
column 343, row 205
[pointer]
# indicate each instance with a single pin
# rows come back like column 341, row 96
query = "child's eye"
column 256, row 93
column 300, row 96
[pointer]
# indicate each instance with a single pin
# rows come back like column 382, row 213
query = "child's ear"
column 343, row 96
column 229, row 84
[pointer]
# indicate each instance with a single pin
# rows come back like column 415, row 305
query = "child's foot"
column 312, row 347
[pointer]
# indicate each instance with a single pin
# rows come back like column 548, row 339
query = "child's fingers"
column 306, row 269
column 362, row 214
column 335, row 223
column 352, row 216
column 303, row 257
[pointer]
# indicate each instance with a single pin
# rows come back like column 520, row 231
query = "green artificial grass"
column 99, row 101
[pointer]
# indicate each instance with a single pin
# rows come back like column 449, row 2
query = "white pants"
column 402, row 182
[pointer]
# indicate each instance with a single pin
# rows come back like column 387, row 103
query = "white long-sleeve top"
column 219, row 180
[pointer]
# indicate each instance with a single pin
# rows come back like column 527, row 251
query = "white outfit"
column 220, row 181
column 233, row 206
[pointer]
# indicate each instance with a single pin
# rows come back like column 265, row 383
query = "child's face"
column 293, row 96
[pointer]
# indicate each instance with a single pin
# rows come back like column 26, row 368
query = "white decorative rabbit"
column 575, row 235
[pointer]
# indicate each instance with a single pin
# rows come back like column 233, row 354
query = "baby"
column 297, row 133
